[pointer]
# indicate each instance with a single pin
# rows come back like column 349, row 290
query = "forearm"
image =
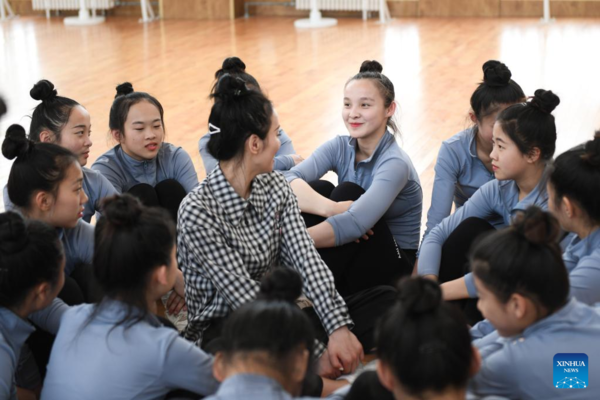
column 310, row 201
column 323, row 235
column 455, row 290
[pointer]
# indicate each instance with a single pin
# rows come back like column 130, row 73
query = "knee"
column 324, row 188
column 347, row 191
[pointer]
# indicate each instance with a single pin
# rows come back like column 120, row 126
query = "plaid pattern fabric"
column 226, row 244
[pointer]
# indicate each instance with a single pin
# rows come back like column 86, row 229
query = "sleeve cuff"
column 470, row 282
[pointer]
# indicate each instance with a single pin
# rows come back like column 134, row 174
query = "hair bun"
column 282, row 284
column 122, row 210
column 231, row 65
column 537, row 227
column 592, row 151
column 43, row 91
column 124, row 89
column 13, row 233
column 2, row 107
column 371, row 66
column 15, row 142
column 419, row 295
column 230, row 87
column 544, row 100
column 496, row 74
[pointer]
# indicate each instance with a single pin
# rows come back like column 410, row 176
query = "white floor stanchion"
column 546, row 18
column 147, row 11
column 84, row 17
column 315, row 20
column 6, row 11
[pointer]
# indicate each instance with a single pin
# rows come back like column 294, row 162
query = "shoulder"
column 199, row 205
column 107, row 157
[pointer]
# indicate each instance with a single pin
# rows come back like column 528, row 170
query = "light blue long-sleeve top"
column 459, row 173
column 103, row 360
column 582, row 259
column 521, row 367
column 260, row 387
column 393, row 189
column 283, row 159
column 124, row 172
column 95, row 186
column 494, row 199
column 78, row 243
column 14, row 331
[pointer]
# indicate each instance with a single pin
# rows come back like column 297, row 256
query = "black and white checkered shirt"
column 226, row 244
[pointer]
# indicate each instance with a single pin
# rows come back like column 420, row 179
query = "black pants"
column 455, row 259
column 370, row 263
column 167, row 194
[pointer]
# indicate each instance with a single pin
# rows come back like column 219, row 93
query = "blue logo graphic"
column 571, row 371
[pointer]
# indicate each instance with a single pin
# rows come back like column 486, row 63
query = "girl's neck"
column 528, row 181
column 239, row 175
column 261, row 369
column 367, row 145
column 36, row 214
column 484, row 149
column 583, row 229
column 23, row 310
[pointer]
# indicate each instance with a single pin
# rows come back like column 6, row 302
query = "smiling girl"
column 65, row 122
column 379, row 196
column 158, row 173
column 524, row 138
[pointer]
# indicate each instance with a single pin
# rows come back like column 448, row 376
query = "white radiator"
column 341, row 5
column 72, row 4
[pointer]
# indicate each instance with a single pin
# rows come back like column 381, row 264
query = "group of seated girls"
column 293, row 285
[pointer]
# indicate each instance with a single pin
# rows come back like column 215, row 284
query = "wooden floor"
column 434, row 64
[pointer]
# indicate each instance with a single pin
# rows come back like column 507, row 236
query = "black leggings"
column 455, row 262
column 167, row 194
column 370, row 263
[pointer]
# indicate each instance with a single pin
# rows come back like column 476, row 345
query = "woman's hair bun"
column 231, row 65
column 592, row 151
column 124, row 89
column 419, row 295
column 496, row 74
column 371, row 66
column 537, row 227
column 15, row 142
column 13, row 233
column 282, row 284
column 230, row 87
column 43, row 91
column 2, row 107
column 544, row 100
column 122, row 210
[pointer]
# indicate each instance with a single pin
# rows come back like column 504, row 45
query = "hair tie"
column 213, row 129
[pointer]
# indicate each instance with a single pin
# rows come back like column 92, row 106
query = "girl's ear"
column 254, row 144
column 219, row 367
column 386, row 377
column 43, row 201
column 472, row 117
column 533, row 155
column 116, row 134
column 47, row 137
column 391, row 109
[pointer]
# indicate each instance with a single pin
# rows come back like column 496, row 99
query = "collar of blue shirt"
column 386, row 140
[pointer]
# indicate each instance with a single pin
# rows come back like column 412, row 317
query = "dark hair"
column 576, row 174
column 2, row 107
column 30, row 254
column 238, row 112
column 524, row 258
column 130, row 241
column 371, row 69
column 495, row 90
column 38, row 166
column 52, row 113
column 531, row 125
column 271, row 324
column 234, row 67
column 124, row 99
column 425, row 341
